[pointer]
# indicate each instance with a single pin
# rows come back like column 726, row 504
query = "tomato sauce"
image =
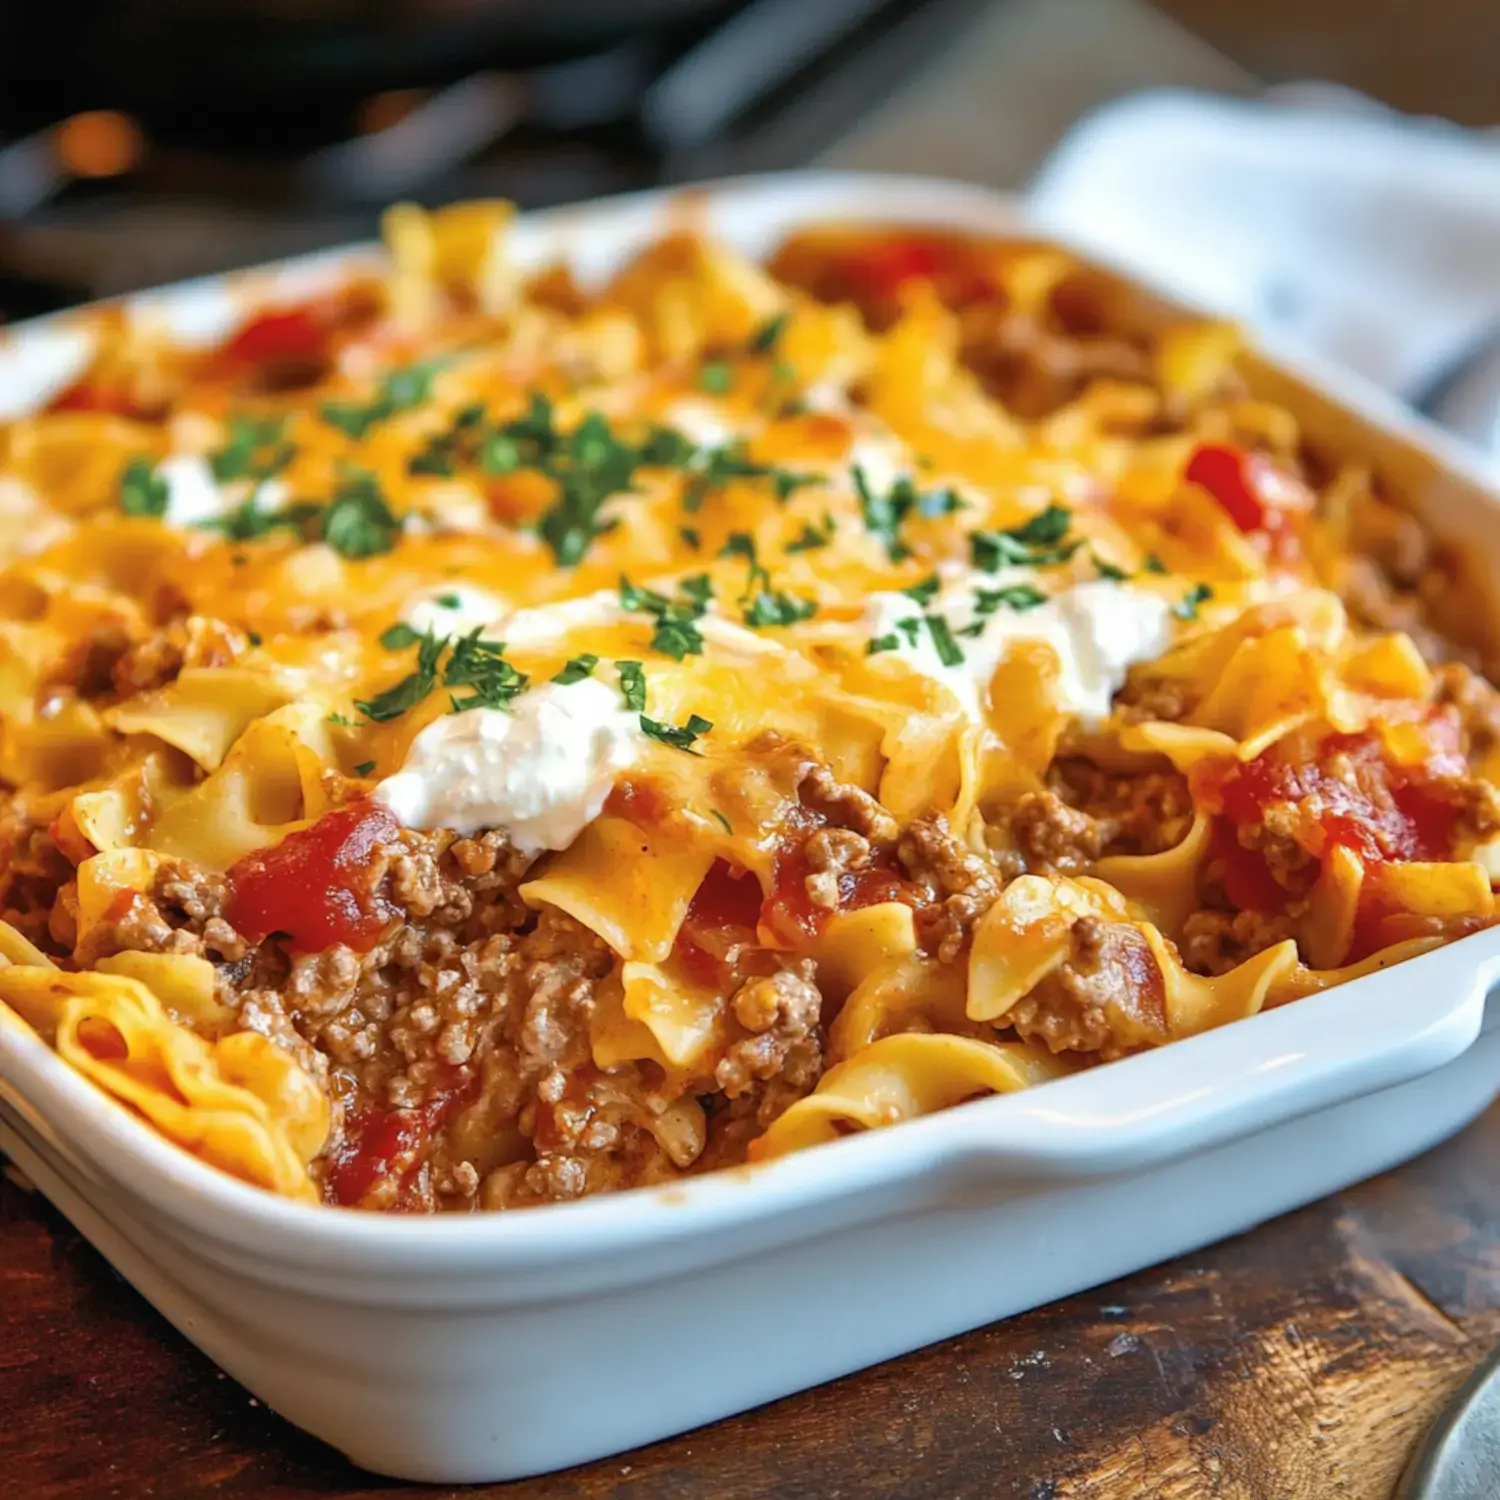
column 722, row 916
column 1386, row 814
column 376, row 1140
column 312, row 886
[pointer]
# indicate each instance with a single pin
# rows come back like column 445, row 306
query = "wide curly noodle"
column 471, row 740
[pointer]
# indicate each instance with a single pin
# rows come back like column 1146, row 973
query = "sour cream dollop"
column 540, row 770
column 1098, row 631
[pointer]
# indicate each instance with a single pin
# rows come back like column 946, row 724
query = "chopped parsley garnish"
column 448, row 601
column 772, row 607
column 1108, row 570
column 411, row 689
column 742, row 544
column 632, row 684
column 472, row 663
column 1036, row 543
column 400, row 390
column 879, row 643
column 249, row 520
column 143, row 492
column 254, row 637
column 398, row 637
column 481, row 665
column 254, row 450
column 680, row 738
column 884, row 514
column 768, row 335
column 948, row 650
column 786, row 483
column 723, row 822
column 716, row 377
column 357, row 522
column 1187, row 607
column 1014, row 596
column 676, row 634
column 812, row 537
column 575, row 669
column 590, row 465
column 666, row 448
column 676, row 637
column 925, row 592
column 446, row 450
column 911, row 628
column 699, row 589
column 342, row 720
column 364, row 768
column 1153, row 564
column 715, row 468
column 691, row 537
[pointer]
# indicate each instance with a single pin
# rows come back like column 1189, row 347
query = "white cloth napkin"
column 1319, row 217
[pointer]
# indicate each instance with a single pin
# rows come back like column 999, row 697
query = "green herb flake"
column 911, row 628
column 411, row 689
column 364, row 768
column 448, row 601
column 481, row 665
column 786, row 483
column 1037, row 543
column 714, row 468
column 925, row 592
column 1017, row 596
column 722, row 821
column 575, row 669
column 398, row 637
column 771, row 607
column 632, row 684
column 879, row 643
column 812, row 537
column 950, row 653
column 691, row 537
column 254, row 449
column 1187, row 607
column 1107, row 570
column 400, row 390
column 768, row 335
column 679, row 737
column 1153, row 564
column 341, row 720
column 716, row 378
column 254, row 637
column 357, row 523
column 143, row 492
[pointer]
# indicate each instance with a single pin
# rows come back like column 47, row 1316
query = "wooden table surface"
column 1297, row 1362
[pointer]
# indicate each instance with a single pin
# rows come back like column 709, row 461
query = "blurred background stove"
column 146, row 140
column 165, row 138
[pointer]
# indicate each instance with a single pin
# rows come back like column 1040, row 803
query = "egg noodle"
column 469, row 741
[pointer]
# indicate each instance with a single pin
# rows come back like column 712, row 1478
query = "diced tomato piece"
column 376, row 1139
column 313, row 885
column 1381, row 811
column 88, row 395
column 1250, row 490
column 882, row 267
column 288, row 335
column 792, row 915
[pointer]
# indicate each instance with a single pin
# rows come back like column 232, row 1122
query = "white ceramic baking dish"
column 491, row 1347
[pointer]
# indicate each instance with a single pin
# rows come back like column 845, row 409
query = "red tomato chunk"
column 312, row 886
column 1249, row 488
column 379, row 1141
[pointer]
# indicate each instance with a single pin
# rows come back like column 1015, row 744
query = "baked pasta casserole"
column 469, row 741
